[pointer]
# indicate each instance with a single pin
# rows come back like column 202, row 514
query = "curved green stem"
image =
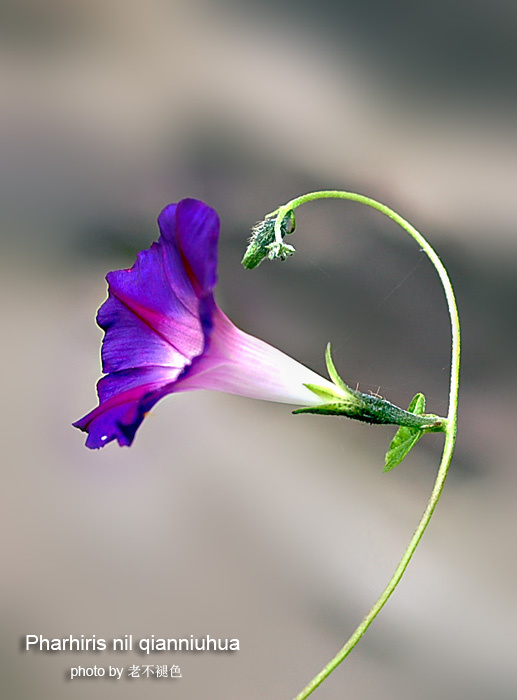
column 450, row 429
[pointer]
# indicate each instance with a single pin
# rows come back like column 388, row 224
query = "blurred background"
column 231, row 517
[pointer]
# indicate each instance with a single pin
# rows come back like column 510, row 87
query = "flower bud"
column 263, row 243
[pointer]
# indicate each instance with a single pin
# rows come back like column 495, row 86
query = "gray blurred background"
column 231, row 517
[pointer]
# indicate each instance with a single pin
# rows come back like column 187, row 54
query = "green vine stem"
column 450, row 427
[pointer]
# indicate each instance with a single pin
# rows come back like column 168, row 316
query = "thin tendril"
column 450, row 428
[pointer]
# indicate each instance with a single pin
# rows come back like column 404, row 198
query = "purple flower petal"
column 156, row 320
column 125, row 397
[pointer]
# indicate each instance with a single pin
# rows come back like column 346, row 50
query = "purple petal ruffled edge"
column 157, row 319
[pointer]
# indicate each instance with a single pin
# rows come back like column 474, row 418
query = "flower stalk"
column 402, row 441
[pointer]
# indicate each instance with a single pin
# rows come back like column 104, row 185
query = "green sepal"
column 405, row 438
column 324, row 393
column 332, row 409
column 331, row 369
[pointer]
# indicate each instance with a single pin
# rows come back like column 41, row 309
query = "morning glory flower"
column 164, row 333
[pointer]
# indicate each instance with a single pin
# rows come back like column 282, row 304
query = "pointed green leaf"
column 417, row 404
column 405, row 438
column 402, row 444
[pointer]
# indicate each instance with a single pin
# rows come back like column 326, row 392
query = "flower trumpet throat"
column 368, row 408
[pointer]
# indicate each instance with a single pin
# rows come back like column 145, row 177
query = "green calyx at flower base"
column 370, row 408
